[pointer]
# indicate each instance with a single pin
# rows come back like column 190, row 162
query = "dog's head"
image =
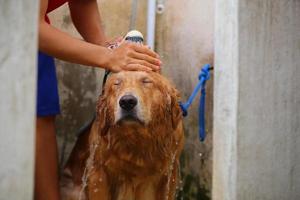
column 138, row 100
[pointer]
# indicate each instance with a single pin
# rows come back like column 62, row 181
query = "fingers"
column 137, row 67
column 145, row 64
column 147, row 58
column 145, row 50
column 144, row 56
column 114, row 41
column 134, row 57
column 118, row 39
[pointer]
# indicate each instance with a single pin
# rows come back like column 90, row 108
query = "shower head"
column 134, row 36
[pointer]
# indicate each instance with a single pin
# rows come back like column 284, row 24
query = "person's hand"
column 113, row 43
column 133, row 57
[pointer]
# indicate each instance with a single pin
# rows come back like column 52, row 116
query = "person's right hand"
column 133, row 57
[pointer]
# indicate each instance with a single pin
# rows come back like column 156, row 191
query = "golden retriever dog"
column 132, row 149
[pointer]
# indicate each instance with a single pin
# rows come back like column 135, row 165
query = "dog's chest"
column 128, row 166
column 138, row 189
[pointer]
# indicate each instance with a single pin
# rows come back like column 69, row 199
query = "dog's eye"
column 117, row 82
column 146, row 80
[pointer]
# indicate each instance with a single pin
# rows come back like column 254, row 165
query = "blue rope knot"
column 204, row 75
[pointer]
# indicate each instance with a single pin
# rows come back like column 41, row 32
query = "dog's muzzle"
column 129, row 110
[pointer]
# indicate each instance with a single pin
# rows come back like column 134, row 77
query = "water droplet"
column 96, row 190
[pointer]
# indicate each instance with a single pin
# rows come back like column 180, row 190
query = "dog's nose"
column 128, row 102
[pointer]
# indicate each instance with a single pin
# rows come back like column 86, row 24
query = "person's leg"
column 46, row 158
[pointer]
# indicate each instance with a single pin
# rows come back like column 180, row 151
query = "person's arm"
column 63, row 46
column 87, row 20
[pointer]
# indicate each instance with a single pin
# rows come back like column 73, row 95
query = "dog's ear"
column 102, row 115
column 176, row 113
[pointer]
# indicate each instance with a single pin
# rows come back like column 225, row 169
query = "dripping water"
column 87, row 170
column 170, row 171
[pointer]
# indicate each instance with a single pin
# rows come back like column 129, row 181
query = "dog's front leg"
column 166, row 189
column 98, row 188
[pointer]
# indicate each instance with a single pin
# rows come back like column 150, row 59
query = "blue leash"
column 203, row 77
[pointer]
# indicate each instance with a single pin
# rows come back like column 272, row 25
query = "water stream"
column 87, row 171
column 170, row 172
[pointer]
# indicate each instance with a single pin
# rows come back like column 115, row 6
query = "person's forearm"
column 65, row 47
column 87, row 20
column 128, row 56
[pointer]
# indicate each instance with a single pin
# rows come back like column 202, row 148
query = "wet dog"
column 132, row 149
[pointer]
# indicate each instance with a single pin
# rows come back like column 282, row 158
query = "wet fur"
column 131, row 161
